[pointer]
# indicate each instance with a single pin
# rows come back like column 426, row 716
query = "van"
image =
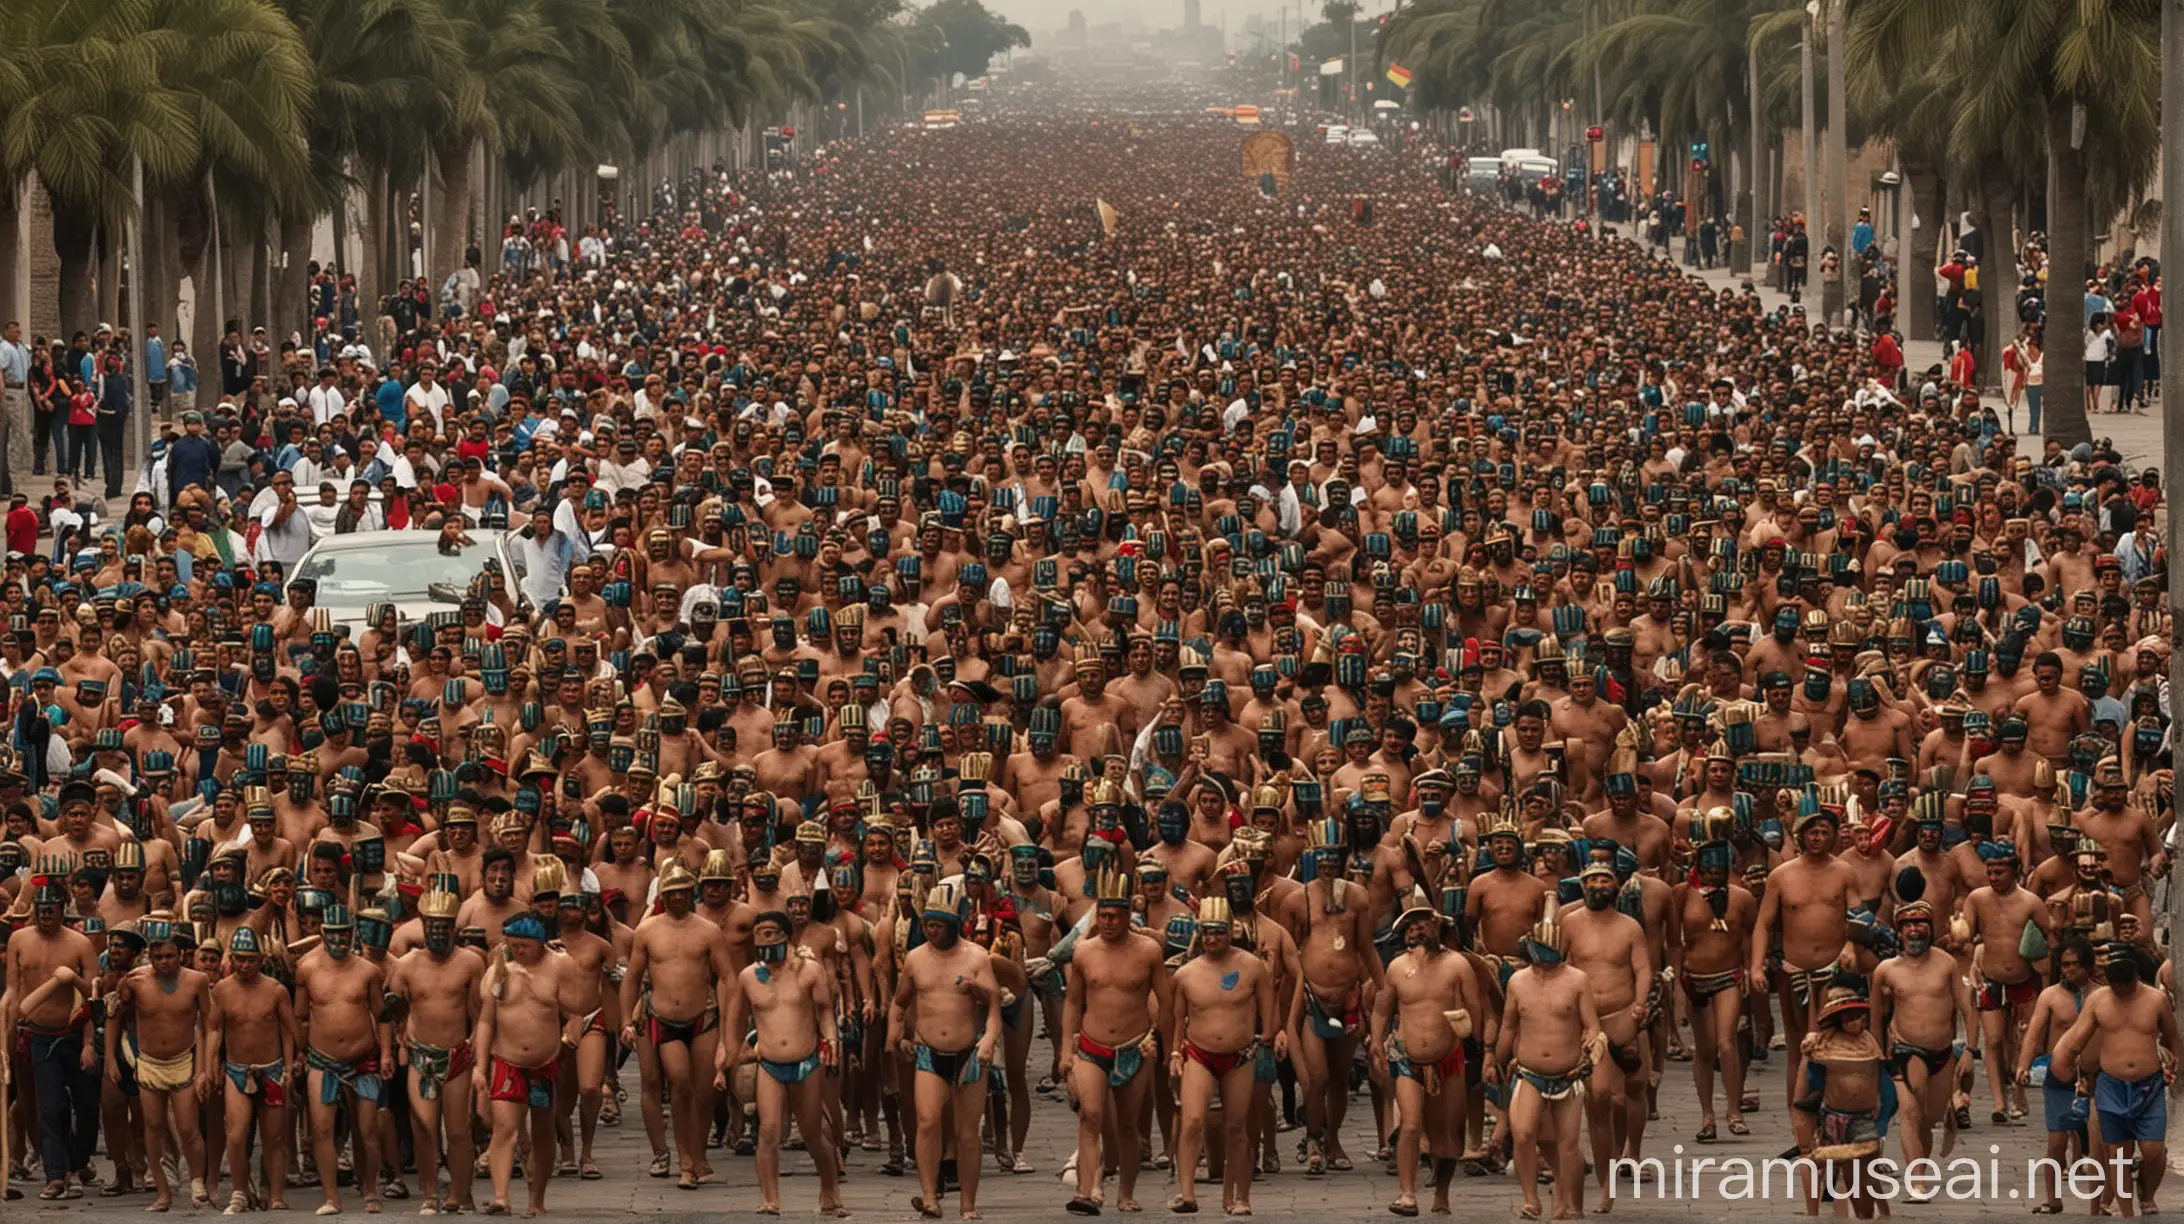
column 1482, row 174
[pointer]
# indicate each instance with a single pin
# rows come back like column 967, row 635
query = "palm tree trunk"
column 1915, row 252
column 261, row 286
column 1997, row 197
column 291, row 283
column 2069, row 237
column 109, row 274
column 72, row 234
column 1838, row 180
column 451, row 208
column 13, row 258
column 189, row 220
column 372, row 269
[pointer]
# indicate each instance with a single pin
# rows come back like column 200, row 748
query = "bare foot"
column 1128, row 1205
column 1530, row 1210
column 833, row 1211
column 769, row 1209
column 162, row 1203
column 1238, row 1209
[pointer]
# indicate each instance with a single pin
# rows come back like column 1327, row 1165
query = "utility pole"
column 1839, row 192
column 1353, row 63
column 140, row 392
column 2172, row 378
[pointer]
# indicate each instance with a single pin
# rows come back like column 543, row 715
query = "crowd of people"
column 1202, row 659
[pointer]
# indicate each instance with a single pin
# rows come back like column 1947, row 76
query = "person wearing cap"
column 438, row 986
column 786, row 1001
column 160, row 1038
column 1116, row 995
column 677, row 985
column 52, row 973
column 1225, row 1025
column 525, row 1001
column 1840, row 1115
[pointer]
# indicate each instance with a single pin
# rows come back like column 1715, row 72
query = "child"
column 1843, row 1115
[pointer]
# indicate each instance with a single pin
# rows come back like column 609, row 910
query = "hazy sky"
column 1041, row 15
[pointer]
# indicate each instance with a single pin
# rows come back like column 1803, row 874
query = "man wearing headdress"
column 1611, row 949
column 674, row 991
column 1438, row 1007
column 346, row 1047
column 438, row 983
column 1219, row 1042
column 2010, row 929
column 1918, row 997
column 788, row 1000
column 528, row 993
column 1711, row 917
column 2126, row 832
column 158, row 1038
column 952, row 1042
column 1503, row 903
column 587, row 1036
column 1806, row 910
column 254, row 1033
column 1116, row 998
column 1547, row 1045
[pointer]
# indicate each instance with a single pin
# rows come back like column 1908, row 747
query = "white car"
column 404, row 568
column 1337, row 134
column 1362, row 139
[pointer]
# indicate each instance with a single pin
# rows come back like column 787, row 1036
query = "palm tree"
column 383, row 69
column 530, row 83
column 2022, row 72
column 182, row 85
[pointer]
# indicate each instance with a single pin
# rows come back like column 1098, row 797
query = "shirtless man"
column 1549, row 1038
column 1609, row 947
column 1918, row 997
column 1436, row 1004
column 527, row 996
column 2063, row 1114
column 2007, row 983
column 2137, row 1032
column 165, row 1012
column 584, row 1044
column 52, row 971
column 1117, row 995
column 255, row 1035
column 439, row 983
column 790, row 1001
column 956, row 1030
column 338, row 1001
column 1337, row 965
column 1807, row 903
column 678, row 983
column 1711, row 925
column 1224, row 1008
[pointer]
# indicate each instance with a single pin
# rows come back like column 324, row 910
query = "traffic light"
column 1698, row 152
column 1698, row 165
column 1594, row 134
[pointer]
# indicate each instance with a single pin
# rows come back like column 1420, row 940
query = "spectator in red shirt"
column 22, row 525
column 2147, row 301
column 1887, row 360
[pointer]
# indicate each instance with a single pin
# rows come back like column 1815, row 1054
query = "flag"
column 1400, row 75
column 1108, row 219
column 1331, row 67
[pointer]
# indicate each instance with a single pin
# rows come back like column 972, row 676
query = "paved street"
column 1288, row 1195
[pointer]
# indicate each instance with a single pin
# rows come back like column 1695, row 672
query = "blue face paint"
column 1229, row 979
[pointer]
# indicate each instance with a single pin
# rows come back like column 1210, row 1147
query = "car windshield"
column 400, row 572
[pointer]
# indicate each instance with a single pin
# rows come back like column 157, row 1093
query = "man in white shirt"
column 326, row 400
column 428, row 396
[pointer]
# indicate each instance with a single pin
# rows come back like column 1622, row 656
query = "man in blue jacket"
column 194, row 459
